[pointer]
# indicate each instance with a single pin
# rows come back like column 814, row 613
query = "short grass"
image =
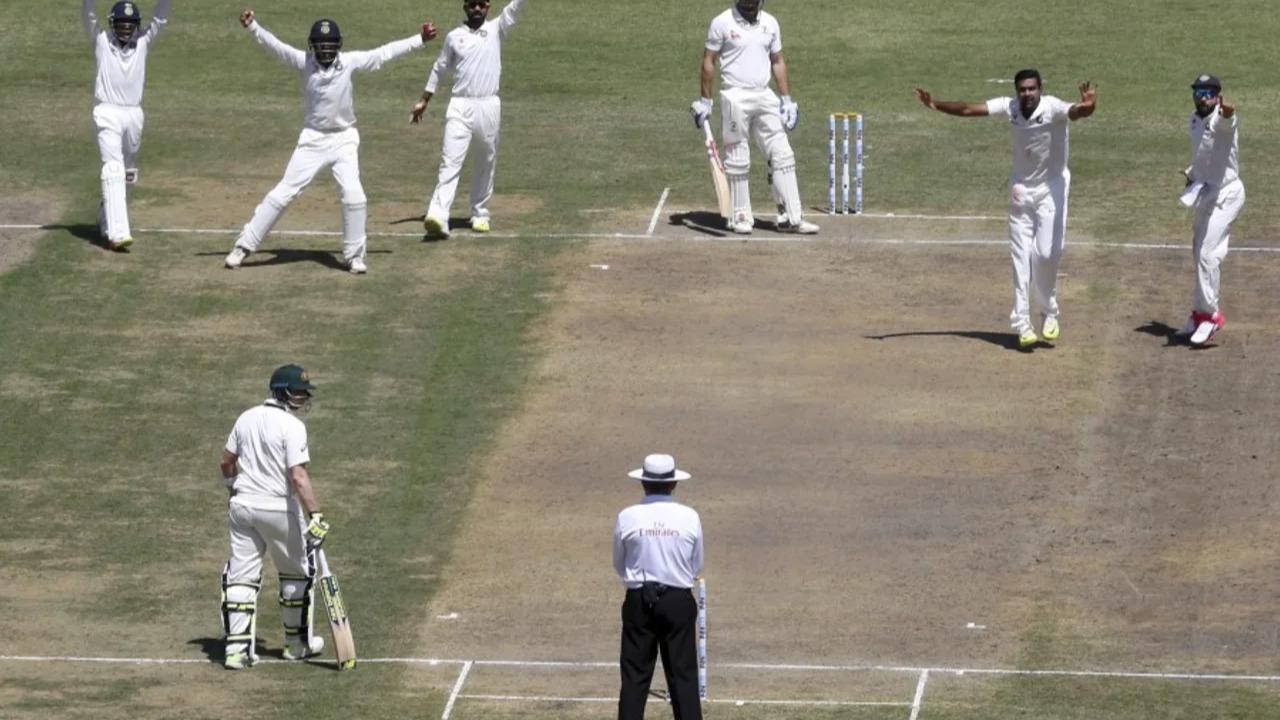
column 122, row 374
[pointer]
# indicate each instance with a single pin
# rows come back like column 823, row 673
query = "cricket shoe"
column 742, row 228
column 1193, row 322
column 356, row 266
column 298, row 652
column 239, row 661
column 803, row 228
column 235, row 257
column 480, row 225
column 1027, row 339
column 120, row 245
column 1208, row 328
column 435, row 227
column 1050, row 330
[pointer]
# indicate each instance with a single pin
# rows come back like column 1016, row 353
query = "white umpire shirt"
column 268, row 440
column 122, row 71
column 744, row 48
column 1040, row 142
column 1215, row 149
column 474, row 56
column 658, row 540
column 328, row 96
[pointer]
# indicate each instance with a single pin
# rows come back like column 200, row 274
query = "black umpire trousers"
column 658, row 619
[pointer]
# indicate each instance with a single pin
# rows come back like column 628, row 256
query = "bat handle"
column 706, row 129
column 323, row 562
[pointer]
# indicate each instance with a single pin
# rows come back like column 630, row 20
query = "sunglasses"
column 1204, row 93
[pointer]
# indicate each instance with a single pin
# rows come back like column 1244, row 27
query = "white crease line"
column 653, row 221
column 919, row 216
column 717, row 701
column 457, row 688
column 915, row 704
column 730, row 666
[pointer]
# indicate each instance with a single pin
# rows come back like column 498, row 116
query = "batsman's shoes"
column 435, row 226
column 1050, row 330
column 298, row 652
column 1028, row 339
column 235, row 257
column 480, row 225
column 804, row 228
column 1208, row 328
column 742, row 228
column 1193, row 322
column 121, row 244
column 356, row 266
column 239, row 661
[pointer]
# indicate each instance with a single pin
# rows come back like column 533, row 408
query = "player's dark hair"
column 1028, row 74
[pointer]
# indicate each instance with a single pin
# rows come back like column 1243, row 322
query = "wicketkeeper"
column 264, row 466
column 748, row 42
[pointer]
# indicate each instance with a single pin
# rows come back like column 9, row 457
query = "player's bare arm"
column 228, row 464
column 420, row 107
column 780, row 73
column 1088, row 101
column 708, row 72
column 246, row 17
column 959, row 109
column 300, row 480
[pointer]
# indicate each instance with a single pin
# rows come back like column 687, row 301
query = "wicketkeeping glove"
column 317, row 531
column 790, row 113
column 701, row 110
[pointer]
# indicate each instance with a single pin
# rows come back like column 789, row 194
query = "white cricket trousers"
column 1215, row 212
column 119, row 140
column 316, row 151
column 255, row 533
column 468, row 119
column 1037, row 235
column 756, row 114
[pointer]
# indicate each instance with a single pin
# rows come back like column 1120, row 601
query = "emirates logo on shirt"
column 659, row 530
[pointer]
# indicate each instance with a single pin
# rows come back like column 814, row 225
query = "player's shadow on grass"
column 1170, row 334
column 287, row 256
column 455, row 223
column 1008, row 341
column 215, row 650
column 82, row 231
column 707, row 223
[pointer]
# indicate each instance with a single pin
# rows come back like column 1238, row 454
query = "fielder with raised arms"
column 473, row 53
column 748, row 42
column 1038, row 191
column 264, row 467
column 1215, row 191
column 121, row 55
column 329, row 137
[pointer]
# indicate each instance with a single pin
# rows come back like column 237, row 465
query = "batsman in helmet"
column 264, row 467
column 329, row 138
column 121, row 51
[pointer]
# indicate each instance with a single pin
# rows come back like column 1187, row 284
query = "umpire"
column 657, row 551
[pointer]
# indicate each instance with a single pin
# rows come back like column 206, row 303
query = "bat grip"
column 323, row 562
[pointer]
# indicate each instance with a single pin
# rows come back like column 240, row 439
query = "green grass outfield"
column 122, row 374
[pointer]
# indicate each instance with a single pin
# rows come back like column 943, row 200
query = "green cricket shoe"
column 1028, row 339
column 1051, row 330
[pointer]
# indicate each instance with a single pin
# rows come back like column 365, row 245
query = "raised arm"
column 1088, row 101
column 959, row 109
column 510, row 14
column 373, row 59
column 89, row 15
column 159, row 20
column 289, row 55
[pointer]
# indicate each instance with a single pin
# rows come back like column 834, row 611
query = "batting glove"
column 701, row 110
column 790, row 113
column 317, row 531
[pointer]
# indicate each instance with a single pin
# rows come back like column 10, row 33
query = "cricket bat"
column 718, row 178
column 339, row 624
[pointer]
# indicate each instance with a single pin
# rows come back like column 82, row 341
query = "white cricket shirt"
column 268, row 440
column 1040, row 142
column 658, row 540
column 474, row 56
column 328, row 96
column 122, row 71
column 744, row 48
column 1215, row 149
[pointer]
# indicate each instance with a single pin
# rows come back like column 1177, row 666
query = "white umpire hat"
column 659, row 468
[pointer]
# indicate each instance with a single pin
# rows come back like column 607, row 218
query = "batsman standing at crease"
column 473, row 53
column 1038, row 191
column 264, row 467
column 748, row 42
column 329, row 137
column 657, row 552
column 121, row 55
column 1215, row 191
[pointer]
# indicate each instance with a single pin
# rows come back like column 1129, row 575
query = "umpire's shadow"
column 1008, row 341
